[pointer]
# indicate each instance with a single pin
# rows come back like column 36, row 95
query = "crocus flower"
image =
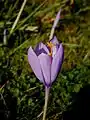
column 46, row 60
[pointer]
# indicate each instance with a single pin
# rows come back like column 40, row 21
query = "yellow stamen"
column 50, row 53
column 50, row 45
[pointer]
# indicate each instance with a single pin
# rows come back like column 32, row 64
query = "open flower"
column 46, row 60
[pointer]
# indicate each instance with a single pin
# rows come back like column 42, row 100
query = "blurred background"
column 21, row 93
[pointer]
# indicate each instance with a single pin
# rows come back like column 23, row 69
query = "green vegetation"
column 34, row 26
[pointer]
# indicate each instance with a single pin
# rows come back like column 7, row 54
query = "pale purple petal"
column 55, row 45
column 54, row 50
column 45, row 62
column 57, row 62
column 35, row 64
column 57, row 19
column 41, row 48
column 54, row 40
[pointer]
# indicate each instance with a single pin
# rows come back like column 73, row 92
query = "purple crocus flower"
column 46, row 60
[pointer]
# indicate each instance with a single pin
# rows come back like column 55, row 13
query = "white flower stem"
column 52, row 33
column 47, row 89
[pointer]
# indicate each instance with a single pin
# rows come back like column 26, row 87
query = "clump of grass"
column 34, row 25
